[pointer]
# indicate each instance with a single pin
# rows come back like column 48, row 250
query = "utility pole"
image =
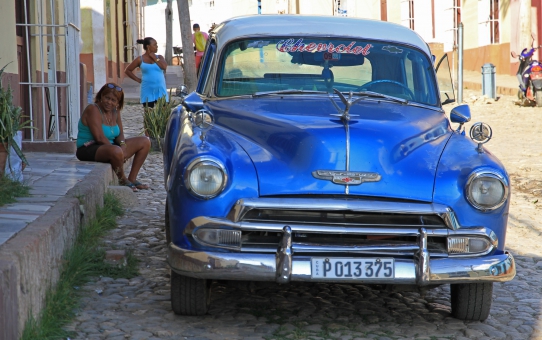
column 525, row 38
column 169, row 33
column 190, row 76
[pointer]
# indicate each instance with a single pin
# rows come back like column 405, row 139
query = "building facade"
column 41, row 47
column 492, row 28
column 110, row 29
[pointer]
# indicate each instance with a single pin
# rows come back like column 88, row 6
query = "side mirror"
column 181, row 91
column 460, row 114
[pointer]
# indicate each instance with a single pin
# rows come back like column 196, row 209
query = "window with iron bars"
column 488, row 22
column 407, row 13
column 456, row 13
column 494, row 22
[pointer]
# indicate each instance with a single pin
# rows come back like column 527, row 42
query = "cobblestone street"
column 140, row 308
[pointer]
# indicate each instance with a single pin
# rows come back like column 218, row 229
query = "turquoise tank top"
column 153, row 82
column 84, row 135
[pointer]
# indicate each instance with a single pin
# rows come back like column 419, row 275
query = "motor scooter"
column 529, row 75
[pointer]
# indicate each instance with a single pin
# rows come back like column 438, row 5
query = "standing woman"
column 101, row 137
column 153, row 68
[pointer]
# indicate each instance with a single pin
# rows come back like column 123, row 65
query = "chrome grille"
column 344, row 232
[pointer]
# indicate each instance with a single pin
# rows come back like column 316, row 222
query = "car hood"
column 290, row 137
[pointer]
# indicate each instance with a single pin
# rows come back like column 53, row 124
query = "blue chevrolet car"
column 316, row 149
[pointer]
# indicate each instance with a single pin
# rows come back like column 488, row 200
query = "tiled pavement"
column 49, row 176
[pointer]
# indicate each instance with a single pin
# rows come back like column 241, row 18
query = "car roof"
column 305, row 25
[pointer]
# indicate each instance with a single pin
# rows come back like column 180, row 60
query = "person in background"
column 200, row 40
column 153, row 68
column 101, row 137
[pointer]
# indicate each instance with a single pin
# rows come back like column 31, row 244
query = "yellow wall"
column 469, row 17
column 8, row 38
column 86, row 29
column 394, row 11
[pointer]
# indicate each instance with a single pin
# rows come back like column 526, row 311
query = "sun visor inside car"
column 318, row 58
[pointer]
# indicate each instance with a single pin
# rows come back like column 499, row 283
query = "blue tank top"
column 153, row 82
column 84, row 135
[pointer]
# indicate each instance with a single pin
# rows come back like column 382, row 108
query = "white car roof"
column 326, row 26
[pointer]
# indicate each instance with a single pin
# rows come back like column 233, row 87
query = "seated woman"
column 101, row 137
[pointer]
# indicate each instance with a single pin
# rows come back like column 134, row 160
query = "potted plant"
column 10, row 127
column 155, row 121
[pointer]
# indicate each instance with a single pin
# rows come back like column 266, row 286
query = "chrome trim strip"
column 358, row 249
column 243, row 206
column 262, row 267
column 284, row 257
column 210, row 222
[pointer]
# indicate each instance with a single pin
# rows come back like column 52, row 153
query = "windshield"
column 321, row 64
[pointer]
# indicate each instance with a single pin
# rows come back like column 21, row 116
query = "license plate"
column 352, row 268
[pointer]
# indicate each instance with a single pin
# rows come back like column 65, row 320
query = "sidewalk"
column 506, row 84
column 35, row 231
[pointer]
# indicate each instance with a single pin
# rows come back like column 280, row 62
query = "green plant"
column 10, row 119
column 9, row 189
column 155, row 119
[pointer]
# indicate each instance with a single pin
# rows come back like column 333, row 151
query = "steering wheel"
column 365, row 86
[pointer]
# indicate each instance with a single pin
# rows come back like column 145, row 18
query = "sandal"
column 129, row 185
column 140, row 185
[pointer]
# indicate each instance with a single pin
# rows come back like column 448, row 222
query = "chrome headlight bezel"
column 208, row 161
column 486, row 173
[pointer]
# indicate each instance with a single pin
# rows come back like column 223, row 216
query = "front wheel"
column 471, row 301
column 538, row 97
column 189, row 296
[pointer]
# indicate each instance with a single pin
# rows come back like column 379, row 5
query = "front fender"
column 459, row 159
column 170, row 138
column 220, row 145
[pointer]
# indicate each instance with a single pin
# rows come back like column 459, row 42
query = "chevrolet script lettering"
column 347, row 177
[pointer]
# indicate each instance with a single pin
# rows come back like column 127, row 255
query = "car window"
column 322, row 64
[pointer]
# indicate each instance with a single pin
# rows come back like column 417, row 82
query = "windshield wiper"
column 372, row 94
column 259, row 94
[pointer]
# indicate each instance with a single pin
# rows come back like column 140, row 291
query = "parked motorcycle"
column 529, row 75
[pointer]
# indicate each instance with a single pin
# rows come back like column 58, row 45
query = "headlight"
column 486, row 190
column 205, row 177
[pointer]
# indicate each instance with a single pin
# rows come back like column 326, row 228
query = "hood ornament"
column 346, row 177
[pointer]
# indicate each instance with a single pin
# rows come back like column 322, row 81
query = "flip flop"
column 129, row 185
column 140, row 185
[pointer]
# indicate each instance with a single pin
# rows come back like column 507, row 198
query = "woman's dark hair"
column 111, row 88
column 146, row 42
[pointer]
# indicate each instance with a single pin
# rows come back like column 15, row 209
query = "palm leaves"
column 155, row 119
column 10, row 120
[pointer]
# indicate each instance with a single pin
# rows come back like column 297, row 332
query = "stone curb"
column 30, row 261
column 502, row 90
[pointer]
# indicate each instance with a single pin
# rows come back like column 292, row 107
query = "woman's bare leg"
column 138, row 147
column 112, row 154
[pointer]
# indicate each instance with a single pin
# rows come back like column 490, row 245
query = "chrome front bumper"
column 282, row 267
column 292, row 262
